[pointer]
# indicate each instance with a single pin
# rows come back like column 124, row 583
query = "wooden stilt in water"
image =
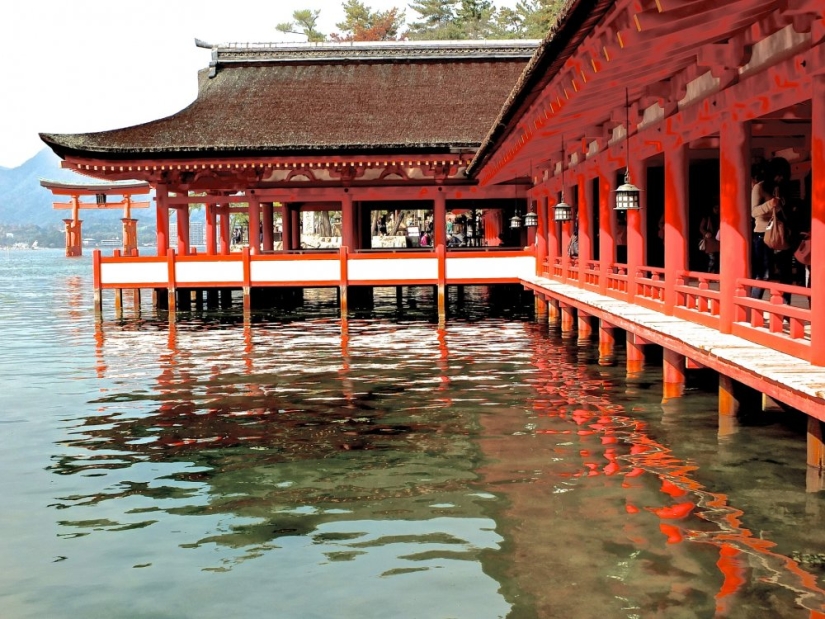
column 585, row 328
column 540, row 308
column 568, row 319
column 607, row 344
column 211, row 298
column 119, row 302
column 815, row 481
column 136, row 300
column 635, row 355
column 553, row 312
column 674, row 375
column 728, row 406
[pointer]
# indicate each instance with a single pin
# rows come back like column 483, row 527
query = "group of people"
column 784, row 219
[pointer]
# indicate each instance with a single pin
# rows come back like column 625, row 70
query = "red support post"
column 818, row 221
column 440, row 218
column 347, row 221
column 267, row 218
column 636, row 228
column 211, row 221
column 254, row 209
column 225, row 229
column 734, row 215
column 676, row 219
column 585, row 200
column 552, row 234
column 183, row 229
column 607, row 239
column 162, row 215
column 286, row 227
column 541, row 235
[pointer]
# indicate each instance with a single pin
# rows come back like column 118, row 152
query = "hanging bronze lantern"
column 562, row 211
column 531, row 218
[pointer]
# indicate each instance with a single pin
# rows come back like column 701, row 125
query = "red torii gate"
column 101, row 192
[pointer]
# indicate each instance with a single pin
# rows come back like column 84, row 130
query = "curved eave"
column 576, row 21
column 96, row 187
column 58, row 144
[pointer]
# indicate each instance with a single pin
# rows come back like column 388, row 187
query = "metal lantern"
column 563, row 211
column 628, row 196
column 531, row 219
column 515, row 221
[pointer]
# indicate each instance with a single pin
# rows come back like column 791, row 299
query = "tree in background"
column 305, row 23
column 437, row 20
column 361, row 23
column 530, row 19
column 474, row 19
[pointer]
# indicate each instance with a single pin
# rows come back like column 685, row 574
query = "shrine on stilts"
column 615, row 169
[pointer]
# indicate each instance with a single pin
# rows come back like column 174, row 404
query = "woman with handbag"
column 767, row 202
column 709, row 244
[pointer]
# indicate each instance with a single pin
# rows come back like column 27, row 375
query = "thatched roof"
column 332, row 98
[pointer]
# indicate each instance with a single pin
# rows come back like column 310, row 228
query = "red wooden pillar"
column 267, row 217
column 440, row 218
column 734, row 214
column 566, row 232
column 162, row 215
column 541, row 236
column 211, row 221
column 286, row 227
column 254, row 210
column 676, row 219
column 182, row 213
column 636, row 229
column 295, row 214
column 607, row 239
column 818, row 222
column 225, row 228
column 585, row 199
column 347, row 221
column 728, row 406
column 552, row 234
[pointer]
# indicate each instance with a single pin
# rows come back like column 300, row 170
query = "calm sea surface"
column 290, row 468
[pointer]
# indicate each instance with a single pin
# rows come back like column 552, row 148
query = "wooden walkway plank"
column 779, row 375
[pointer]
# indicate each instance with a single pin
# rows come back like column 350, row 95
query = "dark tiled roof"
column 337, row 99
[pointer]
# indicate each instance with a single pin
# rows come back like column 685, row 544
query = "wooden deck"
column 783, row 377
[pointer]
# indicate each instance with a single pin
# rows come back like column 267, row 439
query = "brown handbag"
column 777, row 236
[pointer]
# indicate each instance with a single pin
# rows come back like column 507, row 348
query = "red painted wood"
column 607, row 245
column 676, row 219
column 541, row 235
column 585, row 199
column 210, row 229
column 818, row 222
column 440, row 218
column 734, row 215
column 286, row 227
column 162, row 216
column 182, row 216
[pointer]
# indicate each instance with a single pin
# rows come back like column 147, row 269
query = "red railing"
column 772, row 321
column 592, row 273
column 698, row 298
column 649, row 286
column 617, row 279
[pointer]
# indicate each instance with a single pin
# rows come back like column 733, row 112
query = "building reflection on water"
column 410, row 448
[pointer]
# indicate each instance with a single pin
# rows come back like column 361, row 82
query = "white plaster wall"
column 186, row 272
column 492, row 268
column 134, row 273
column 399, row 270
column 295, row 271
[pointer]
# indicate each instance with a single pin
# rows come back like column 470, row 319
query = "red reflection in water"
column 612, row 432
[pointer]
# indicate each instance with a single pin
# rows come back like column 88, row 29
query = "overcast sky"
column 74, row 66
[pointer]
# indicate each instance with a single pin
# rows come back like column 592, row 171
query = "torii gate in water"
column 101, row 192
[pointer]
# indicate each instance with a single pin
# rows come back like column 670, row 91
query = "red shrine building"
column 634, row 133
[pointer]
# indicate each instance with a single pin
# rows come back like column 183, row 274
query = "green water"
column 292, row 468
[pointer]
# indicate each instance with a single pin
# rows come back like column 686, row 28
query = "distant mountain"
column 24, row 202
